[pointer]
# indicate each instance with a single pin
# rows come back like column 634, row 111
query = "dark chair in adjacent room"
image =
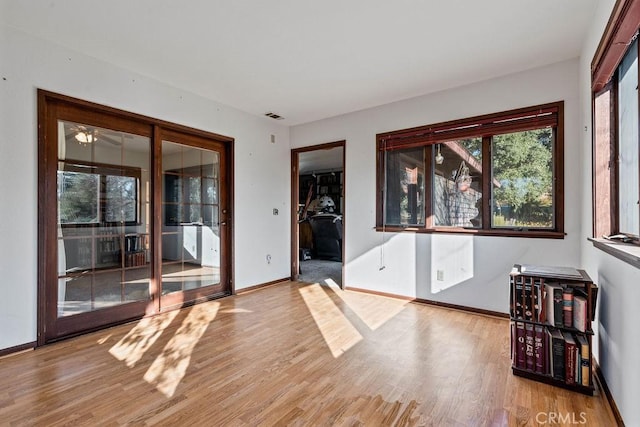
column 327, row 236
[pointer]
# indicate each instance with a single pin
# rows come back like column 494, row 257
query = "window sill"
column 626, row 252
column 542, row 234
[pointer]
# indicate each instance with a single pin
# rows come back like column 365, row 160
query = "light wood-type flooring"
column 289, row 354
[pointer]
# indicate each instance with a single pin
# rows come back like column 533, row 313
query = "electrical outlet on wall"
column 440, row 275
column 268, row 258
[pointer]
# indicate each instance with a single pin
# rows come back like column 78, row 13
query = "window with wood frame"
column 94, row 194
column 616, row 113
column 497, row 174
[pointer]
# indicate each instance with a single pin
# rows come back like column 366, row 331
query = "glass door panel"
column 191, row 247
column 103, row 218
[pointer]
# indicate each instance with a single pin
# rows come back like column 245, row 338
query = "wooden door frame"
column 295, row 183
column 52, row 107
column 171, row 302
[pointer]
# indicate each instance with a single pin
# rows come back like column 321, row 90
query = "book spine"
column 557, row 306
column 580, row 313
column 520, row 346
column 519, row 297
column 542, row 303
column 558, row 356
column 569, row 362
column 535, row 300
column 513, row 343
column 538, row 349
column 585, row 367
column 548, row 369
column 567, row 307
column 549, row 304
column 578, row 367
column 549, row 351
column 529, row 348
column 512, row 296
column 528, row 298
column 585, row 360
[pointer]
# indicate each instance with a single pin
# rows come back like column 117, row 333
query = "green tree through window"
column 78, row 196
column 523, row 165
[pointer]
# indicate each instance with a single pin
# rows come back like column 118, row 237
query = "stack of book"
column 553, row 303
column 552, row 352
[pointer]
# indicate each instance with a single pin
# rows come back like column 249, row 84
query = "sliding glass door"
column 133, row 217
column 193, row 220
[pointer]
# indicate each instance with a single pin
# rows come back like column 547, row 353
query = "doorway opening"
column 318, row 213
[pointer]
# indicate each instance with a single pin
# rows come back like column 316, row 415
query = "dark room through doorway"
column 318, row 200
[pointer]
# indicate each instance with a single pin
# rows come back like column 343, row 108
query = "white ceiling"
column 308, row 60
column 322, row 160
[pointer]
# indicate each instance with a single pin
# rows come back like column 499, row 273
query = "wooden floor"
column 290, row 354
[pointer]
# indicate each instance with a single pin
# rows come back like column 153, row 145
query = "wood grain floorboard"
column 292, row 354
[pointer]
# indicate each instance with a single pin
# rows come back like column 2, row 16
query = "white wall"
column 475, row 268
column 617, row 346
column 261, row 168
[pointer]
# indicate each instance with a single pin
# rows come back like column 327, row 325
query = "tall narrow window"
column 604, row 162
column 616, row 142
column 457, row 183
column 522, row 188
column 628, row 154
column 405, row 187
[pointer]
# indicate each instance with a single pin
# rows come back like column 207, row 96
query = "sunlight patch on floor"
column 236, row 310
column 104, row 339
column 135, row 344
column 374, row 311
column 337, row 331
column 331, row 283
column 168, row 369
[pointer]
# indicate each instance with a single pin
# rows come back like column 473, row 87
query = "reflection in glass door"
column 191, row 211
column 103, row 218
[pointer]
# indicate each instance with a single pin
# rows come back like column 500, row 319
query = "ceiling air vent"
column 274, row 116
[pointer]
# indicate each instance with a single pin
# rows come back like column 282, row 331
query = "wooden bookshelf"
column 551, row 310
